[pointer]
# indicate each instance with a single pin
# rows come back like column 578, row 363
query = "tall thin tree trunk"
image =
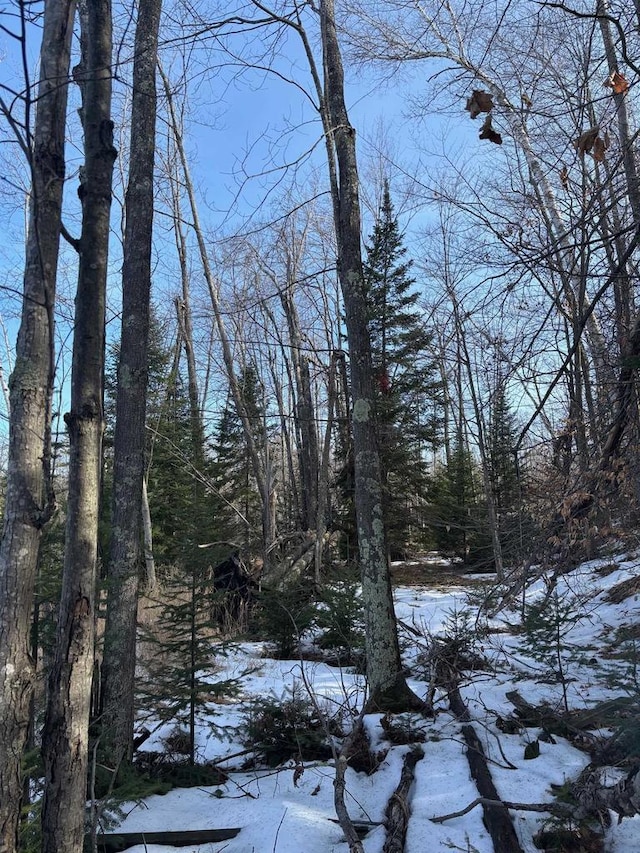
column 323, row 476
column 125, row 557
column 185, row 322
column 147, row 537
column 29, row 497
column 387, row 684
column 183, row 310
column 65, row 735
column 259, row 471
column 304, row 412
column 492, row 509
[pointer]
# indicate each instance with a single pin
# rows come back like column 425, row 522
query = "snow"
column 281, row 811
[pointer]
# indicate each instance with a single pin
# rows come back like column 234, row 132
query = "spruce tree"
column 458, row 516
column 407, row 391
column 515, row 528
column 502, row 440
column 238, row 502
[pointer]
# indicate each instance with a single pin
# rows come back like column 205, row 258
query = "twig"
column 346, row 824
column 558, row 809
column 275, row 841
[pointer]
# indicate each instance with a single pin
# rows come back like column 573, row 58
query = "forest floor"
column 577, row 654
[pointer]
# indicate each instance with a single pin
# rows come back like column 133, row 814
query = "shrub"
column 339, row 617
column 283, row 616
column 278, row 730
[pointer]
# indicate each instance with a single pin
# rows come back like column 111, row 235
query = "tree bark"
column 29, row 499
column 125, row 557
column 65, row 735
column 387, row 685
column 323, row 476
column 398, row 811
column 147, row 531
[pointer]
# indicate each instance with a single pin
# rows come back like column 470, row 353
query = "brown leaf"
column 487, row 132
column 599, row 147
column 564, row 177
column 584, row 143
column 479, row 102
column 618, row 82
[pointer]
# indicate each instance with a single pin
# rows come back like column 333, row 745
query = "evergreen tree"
column 515, row 527
column 238, row 502
column 458, row 512
column 405, row 373
column 180, row 680
column 502, row 440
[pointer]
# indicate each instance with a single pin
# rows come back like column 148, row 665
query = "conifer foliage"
column 238, row 507
column 407, row 394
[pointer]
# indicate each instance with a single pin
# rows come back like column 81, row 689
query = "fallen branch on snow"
column 557, row 809
column 398, row 811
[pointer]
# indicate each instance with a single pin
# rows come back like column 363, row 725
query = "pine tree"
column 238, row 503
column 405, row 373
column 515, row 527
column 180, row 676
column 458, row 512
column 502, row 440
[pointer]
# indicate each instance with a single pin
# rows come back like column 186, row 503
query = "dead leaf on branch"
column 618, row 82
column 590, row 142
column 584, row 143
column 564, row 177
column 487, row 132
column 479, row 102
column 599, row 148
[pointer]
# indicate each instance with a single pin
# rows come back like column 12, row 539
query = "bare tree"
column 387, row 685
column 118, row 669
column 29, row 499
column 65, row 734
column 557, row 133
column 261, row 468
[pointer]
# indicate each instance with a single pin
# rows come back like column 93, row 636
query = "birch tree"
column 537, row 95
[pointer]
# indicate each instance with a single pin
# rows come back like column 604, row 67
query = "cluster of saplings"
column 182, row 686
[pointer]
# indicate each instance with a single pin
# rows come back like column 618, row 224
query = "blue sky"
column 256, row 119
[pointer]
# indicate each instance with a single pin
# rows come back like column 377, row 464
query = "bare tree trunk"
column 65, row 735
column 147, row 531
column 304, row 413
column 29, row 500
column 323, row 476
column 259, row 470
column 185, row 323
column 387, row 685
column 292, row 492
column 118, row 668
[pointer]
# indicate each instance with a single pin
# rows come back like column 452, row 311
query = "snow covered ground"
column 284, row 810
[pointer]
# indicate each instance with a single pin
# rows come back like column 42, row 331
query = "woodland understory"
column 310, row 290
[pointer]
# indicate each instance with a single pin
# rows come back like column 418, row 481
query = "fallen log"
column 116, row 842
column 398, row 811
column 339, row 785
column 496, row 817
